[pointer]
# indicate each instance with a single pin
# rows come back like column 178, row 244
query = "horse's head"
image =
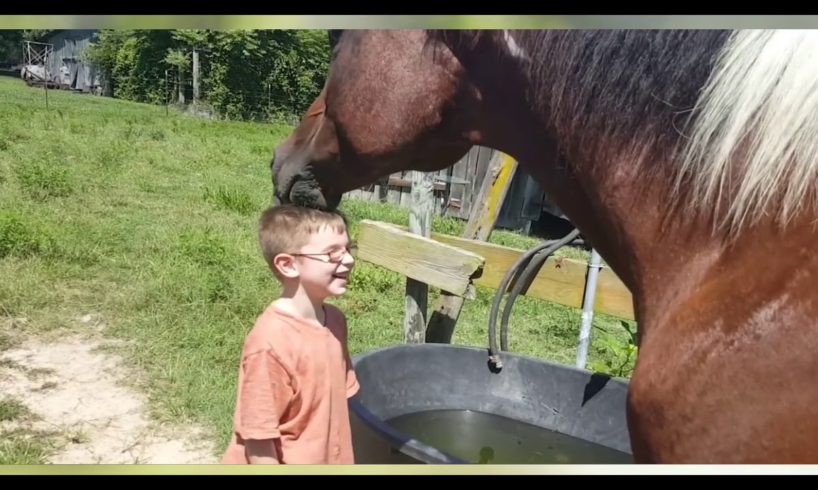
column 393, row 100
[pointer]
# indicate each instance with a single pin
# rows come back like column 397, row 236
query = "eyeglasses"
column 333, row 256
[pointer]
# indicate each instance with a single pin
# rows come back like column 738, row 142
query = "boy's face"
column 323, row 263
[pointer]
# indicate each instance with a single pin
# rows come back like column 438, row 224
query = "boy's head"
column 307, row 246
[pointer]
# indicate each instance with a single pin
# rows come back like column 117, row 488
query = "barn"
column 526, row 207
column 64, row 65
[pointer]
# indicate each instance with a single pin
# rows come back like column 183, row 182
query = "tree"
column 178, row 58
column 246, row 74
column 11, row 46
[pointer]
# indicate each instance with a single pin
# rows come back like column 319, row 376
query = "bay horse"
column 687, row 158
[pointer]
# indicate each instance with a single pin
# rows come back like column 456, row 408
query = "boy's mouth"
column 342, row 275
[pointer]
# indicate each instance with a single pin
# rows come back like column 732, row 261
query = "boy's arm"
column 261, row 451
column 266, row 393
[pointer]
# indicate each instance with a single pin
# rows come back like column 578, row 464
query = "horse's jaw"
column 308, row 192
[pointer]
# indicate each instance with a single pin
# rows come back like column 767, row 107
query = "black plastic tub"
column 531, row 411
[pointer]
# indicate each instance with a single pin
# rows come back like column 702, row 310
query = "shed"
column 526, row 206
column 66, row 67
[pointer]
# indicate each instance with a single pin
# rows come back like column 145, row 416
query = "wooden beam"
column 560, row 280
column 491, row 197
column 434, row 263
column 481, row 222
column 404, row 183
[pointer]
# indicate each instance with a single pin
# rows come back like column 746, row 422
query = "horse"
column 687, row 158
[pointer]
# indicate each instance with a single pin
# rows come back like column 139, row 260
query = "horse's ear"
column 334, row 37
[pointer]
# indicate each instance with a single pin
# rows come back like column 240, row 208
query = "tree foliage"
column 245, row 74
column 11, row 43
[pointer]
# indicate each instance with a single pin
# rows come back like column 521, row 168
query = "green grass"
column 147, row 220
column 21, row 445
column 12, row 409
column 6, row 341
column 24, row 446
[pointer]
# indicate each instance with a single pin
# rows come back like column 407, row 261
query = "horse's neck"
column 674, row 260
column 614, row 215
column 624, row 215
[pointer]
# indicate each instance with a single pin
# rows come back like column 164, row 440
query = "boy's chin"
column 337, row 287
column 327, row 289
column 337, row 290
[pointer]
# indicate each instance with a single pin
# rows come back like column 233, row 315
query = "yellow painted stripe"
column 495, row 202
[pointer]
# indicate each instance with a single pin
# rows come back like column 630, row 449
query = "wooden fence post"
column 195, row 77
column 420, row 222
column 482, row 218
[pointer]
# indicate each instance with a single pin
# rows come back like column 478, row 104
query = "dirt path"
column 76, row 393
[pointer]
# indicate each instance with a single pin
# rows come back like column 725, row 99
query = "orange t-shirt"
column 294, row 382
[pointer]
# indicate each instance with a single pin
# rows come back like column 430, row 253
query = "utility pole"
column 195, row 77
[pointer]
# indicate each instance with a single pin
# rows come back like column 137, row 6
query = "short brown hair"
column 286, row 228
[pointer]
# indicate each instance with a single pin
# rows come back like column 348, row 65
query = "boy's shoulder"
column 272, row 332
column 277, row 332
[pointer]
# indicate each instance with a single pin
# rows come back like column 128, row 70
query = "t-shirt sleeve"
column 266, row 391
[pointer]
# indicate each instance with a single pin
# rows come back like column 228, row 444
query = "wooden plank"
column 417, row 292
column 393, row 195
column 490, row 197
column 470, row 191
column 560, row 280
column 405, row 183
column 457, row 192
column 379, row 194
column 484, row 157
column 437, row 264
column 445, row 176
column 489, row 202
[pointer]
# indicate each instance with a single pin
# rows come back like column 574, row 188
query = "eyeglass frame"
column 349, row 249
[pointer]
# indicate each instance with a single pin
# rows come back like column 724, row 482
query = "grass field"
column 147, row 220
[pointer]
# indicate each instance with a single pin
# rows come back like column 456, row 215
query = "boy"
column 296, row 373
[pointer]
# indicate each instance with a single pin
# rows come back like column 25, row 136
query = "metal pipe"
column 594, row 264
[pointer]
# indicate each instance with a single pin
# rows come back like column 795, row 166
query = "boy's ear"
column 285, row 265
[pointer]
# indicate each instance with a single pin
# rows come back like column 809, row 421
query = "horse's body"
column 687, row 158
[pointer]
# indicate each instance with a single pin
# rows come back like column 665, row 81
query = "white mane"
column 756, row 125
